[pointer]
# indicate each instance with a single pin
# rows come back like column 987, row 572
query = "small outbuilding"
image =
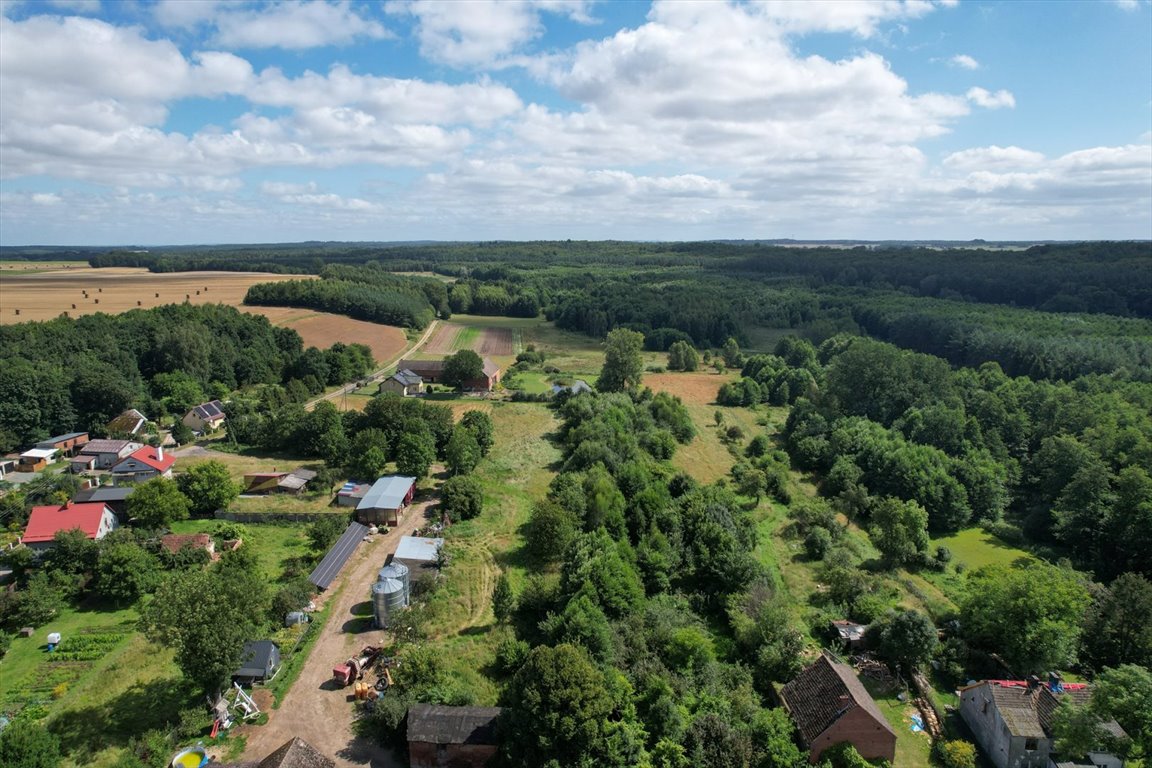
column 36, row 459
column 68, row 444
column 259, row 662
column 404, row 383
column 461, row 737
column 351, row 493
column 278, row 482
column 849, row 633
column 386, row 500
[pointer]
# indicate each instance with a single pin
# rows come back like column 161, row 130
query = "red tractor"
column 352, row 670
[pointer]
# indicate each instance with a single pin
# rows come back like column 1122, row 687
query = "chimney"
column 159, row 453
column 1033, row 684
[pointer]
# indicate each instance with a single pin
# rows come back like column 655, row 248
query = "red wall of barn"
column 859, row 729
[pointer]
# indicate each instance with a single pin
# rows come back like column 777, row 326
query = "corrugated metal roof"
column 418, row 548
column 387, row 493
column 329, row 568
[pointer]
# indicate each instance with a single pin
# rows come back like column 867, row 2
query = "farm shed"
column 95, row 520
column 36, row 459
column 115, row 498
column 829, row 704
column 420, row 555
column 81, row 463
column 7, row 467
column 329, row 568
column 351, row 493
column 129, row 422
column 386, row 500
column 451, row 736
column 205, row 417
column 849, row 633
column 259, row 662
column 295, row 753
column 278, row 482
column 67, row 444
column 404, row 382
column 143, row 465
column 110, row 452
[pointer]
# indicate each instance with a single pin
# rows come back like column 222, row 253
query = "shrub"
column 955, row 754
column 462, row 498
column 817, row 542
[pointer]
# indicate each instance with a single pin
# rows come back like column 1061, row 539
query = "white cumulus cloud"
column 984, row 98
column 964, row 61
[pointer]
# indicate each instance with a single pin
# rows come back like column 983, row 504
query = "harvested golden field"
column 321, row 329
column 697, row 388
column 85, row 291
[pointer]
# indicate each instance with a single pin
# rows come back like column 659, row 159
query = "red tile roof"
column 44, row 522
column 147, row 455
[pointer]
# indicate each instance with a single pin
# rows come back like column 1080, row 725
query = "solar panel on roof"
column 330, row 567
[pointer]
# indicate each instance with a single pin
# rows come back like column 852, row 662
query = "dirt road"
column 350, row 388
column 313, row 710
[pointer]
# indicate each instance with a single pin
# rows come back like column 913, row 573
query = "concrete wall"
column 871, row 739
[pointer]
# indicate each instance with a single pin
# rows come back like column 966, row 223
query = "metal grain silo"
column 387, row 598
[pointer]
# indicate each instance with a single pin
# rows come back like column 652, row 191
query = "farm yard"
column 34, row 295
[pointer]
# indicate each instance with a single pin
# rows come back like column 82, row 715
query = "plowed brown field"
column 320, row 329
column 45, row 295
column 494, row 341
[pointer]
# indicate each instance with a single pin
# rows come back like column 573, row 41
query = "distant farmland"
column 44, row 295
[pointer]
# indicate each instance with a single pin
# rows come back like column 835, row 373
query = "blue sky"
column 195, row 121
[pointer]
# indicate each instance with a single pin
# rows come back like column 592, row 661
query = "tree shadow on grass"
column 144, row 706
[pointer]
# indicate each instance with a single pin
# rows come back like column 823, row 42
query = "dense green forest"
column 77, row 373
column 1050, row 311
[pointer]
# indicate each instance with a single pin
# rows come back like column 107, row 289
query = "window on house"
column 1030, row 745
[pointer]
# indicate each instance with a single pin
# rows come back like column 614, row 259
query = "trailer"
column 353, row 669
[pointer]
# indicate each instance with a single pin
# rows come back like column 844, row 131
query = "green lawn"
column 913, row 749
column 976, row 548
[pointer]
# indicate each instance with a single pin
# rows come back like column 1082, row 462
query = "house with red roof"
column 143, row 465
column 95, row 520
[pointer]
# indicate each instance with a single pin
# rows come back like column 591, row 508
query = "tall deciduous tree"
column 462, row 453
column 414, row 454
column 907, row 638
column 462, row 498
column 209, row 487
column 1029, row 614
column 157, row 503
column 481, row 427
column 899, row 529
column 462, row 367
column 1116, row 628
column 623, row 364
column 207, row 616
column 682, row 356
column 559, row 711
